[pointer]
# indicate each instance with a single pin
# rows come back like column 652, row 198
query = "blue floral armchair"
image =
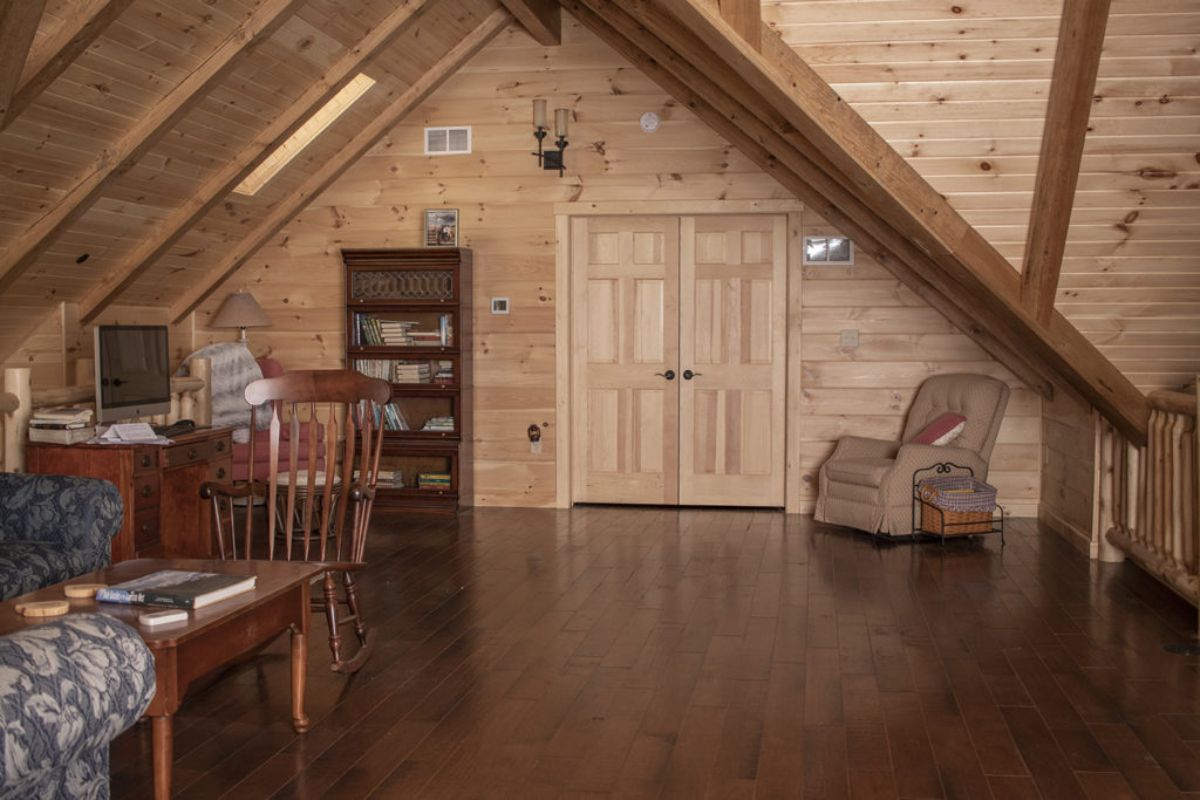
column 67, row 689
column 53, row 528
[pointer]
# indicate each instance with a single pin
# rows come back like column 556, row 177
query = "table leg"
column 163, row 743
column 299, row 675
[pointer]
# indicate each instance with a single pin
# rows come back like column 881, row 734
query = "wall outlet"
column 500, row 305
column 849, row 339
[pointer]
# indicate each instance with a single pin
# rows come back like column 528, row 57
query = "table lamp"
column 240, row 310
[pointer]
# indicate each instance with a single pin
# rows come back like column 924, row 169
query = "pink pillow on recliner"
column 942, row 430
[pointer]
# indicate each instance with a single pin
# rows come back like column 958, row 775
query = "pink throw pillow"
column 942, row 430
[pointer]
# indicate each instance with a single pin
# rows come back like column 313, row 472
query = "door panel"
column 625, row 328
column 732, row 317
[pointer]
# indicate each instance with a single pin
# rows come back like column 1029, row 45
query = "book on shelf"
column 177, row 589
column 393, row 418
column 438, row 424
column 433, row 480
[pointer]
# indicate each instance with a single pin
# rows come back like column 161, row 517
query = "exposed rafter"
column 819, row 123
column 541, row 18
column 23, row 252
column 745, row 17
column 49, row 58
column 18, row 25
column 1076, row 63
column 331, row 170
column 175, row 226
column 721, row 108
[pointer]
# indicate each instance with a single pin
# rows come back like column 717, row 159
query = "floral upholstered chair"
column 53, row 528
column 67, row 689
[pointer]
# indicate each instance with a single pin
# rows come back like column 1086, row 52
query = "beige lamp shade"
column 241, row 310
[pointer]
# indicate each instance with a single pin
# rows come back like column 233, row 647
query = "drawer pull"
column 146, row 527
column 147, row 461
column 192, row 453
column 220, row 445
column 220, row 473
column 147, row 490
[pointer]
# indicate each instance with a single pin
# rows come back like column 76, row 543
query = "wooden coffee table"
column 212, row 637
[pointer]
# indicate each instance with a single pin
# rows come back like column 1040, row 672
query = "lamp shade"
column 241, row 310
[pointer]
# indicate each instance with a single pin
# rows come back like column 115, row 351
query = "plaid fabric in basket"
column 959, row 493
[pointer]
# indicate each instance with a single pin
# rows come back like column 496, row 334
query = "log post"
column 202, row 404
column 17, row 382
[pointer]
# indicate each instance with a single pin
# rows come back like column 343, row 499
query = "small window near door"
column 828, row 250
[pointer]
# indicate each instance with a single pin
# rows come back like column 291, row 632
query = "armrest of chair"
column 68, row 688
column 861, row 447
column 79, row 514
column 913, row 457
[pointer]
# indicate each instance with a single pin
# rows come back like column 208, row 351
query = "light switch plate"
column 500, row 305
column 849, row 339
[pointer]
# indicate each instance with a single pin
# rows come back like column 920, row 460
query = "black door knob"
column 688, row 374
column 669, row 374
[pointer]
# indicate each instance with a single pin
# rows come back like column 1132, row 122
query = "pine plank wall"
column 507, row 213
column 958, row 89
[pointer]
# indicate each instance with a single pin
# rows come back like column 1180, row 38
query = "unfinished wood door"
column 625, row 340
column 733, row 310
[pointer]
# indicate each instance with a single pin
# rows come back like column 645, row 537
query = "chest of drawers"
column 159, row 485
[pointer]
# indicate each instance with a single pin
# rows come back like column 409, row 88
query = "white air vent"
column 448, row 141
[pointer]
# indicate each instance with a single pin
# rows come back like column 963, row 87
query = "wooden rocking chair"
column 311, row 492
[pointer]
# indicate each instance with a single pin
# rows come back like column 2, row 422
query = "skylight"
column 305, row 134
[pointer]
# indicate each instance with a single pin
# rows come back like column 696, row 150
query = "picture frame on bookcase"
column 441, row 227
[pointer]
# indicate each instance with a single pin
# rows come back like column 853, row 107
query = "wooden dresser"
column 160, row 487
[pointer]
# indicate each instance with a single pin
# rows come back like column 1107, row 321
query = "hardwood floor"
column 661, row 653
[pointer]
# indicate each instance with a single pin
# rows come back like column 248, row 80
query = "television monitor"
column 133, row 372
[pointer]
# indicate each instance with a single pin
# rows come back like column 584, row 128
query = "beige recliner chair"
column 867, row 483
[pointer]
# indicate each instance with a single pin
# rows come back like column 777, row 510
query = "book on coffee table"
column 177, row 589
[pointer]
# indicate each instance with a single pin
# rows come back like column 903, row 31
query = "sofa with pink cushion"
column 262, row 442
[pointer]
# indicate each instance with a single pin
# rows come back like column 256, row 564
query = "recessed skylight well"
column 305, row 134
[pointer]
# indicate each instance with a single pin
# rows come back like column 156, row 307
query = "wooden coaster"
column 83, row 591
column 46, row 608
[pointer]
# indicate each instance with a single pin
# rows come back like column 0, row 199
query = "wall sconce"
column 550, row 159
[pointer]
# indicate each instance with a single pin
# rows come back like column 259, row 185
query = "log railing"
column 1149, row 497
column 191, row 398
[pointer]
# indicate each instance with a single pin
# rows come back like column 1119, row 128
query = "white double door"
column 678, row 359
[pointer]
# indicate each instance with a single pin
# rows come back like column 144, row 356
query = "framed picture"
column 828, row 250
column 441, row 227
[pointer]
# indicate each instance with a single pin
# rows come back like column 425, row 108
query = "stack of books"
column 411, row 372
column 439, row 424
column 394, row 333
column 445, row 372
column 61, row 425
column 434, row 480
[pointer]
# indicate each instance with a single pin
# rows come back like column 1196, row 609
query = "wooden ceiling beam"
column 285, row 210
column 1072, row 88
column 18, row 25
column 232, row 173
column 49, row 59
column 820, row 122
column 117, row 160
column 541, row 18
column 745, row 17
column 721, row 108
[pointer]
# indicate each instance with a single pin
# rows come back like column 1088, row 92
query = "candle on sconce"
column 539, row 114
column 561, row 119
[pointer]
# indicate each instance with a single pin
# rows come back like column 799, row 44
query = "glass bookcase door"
column 431, row 473
column 405, row 329
column 402, row 285
column 416, row 373
column 421, row 417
